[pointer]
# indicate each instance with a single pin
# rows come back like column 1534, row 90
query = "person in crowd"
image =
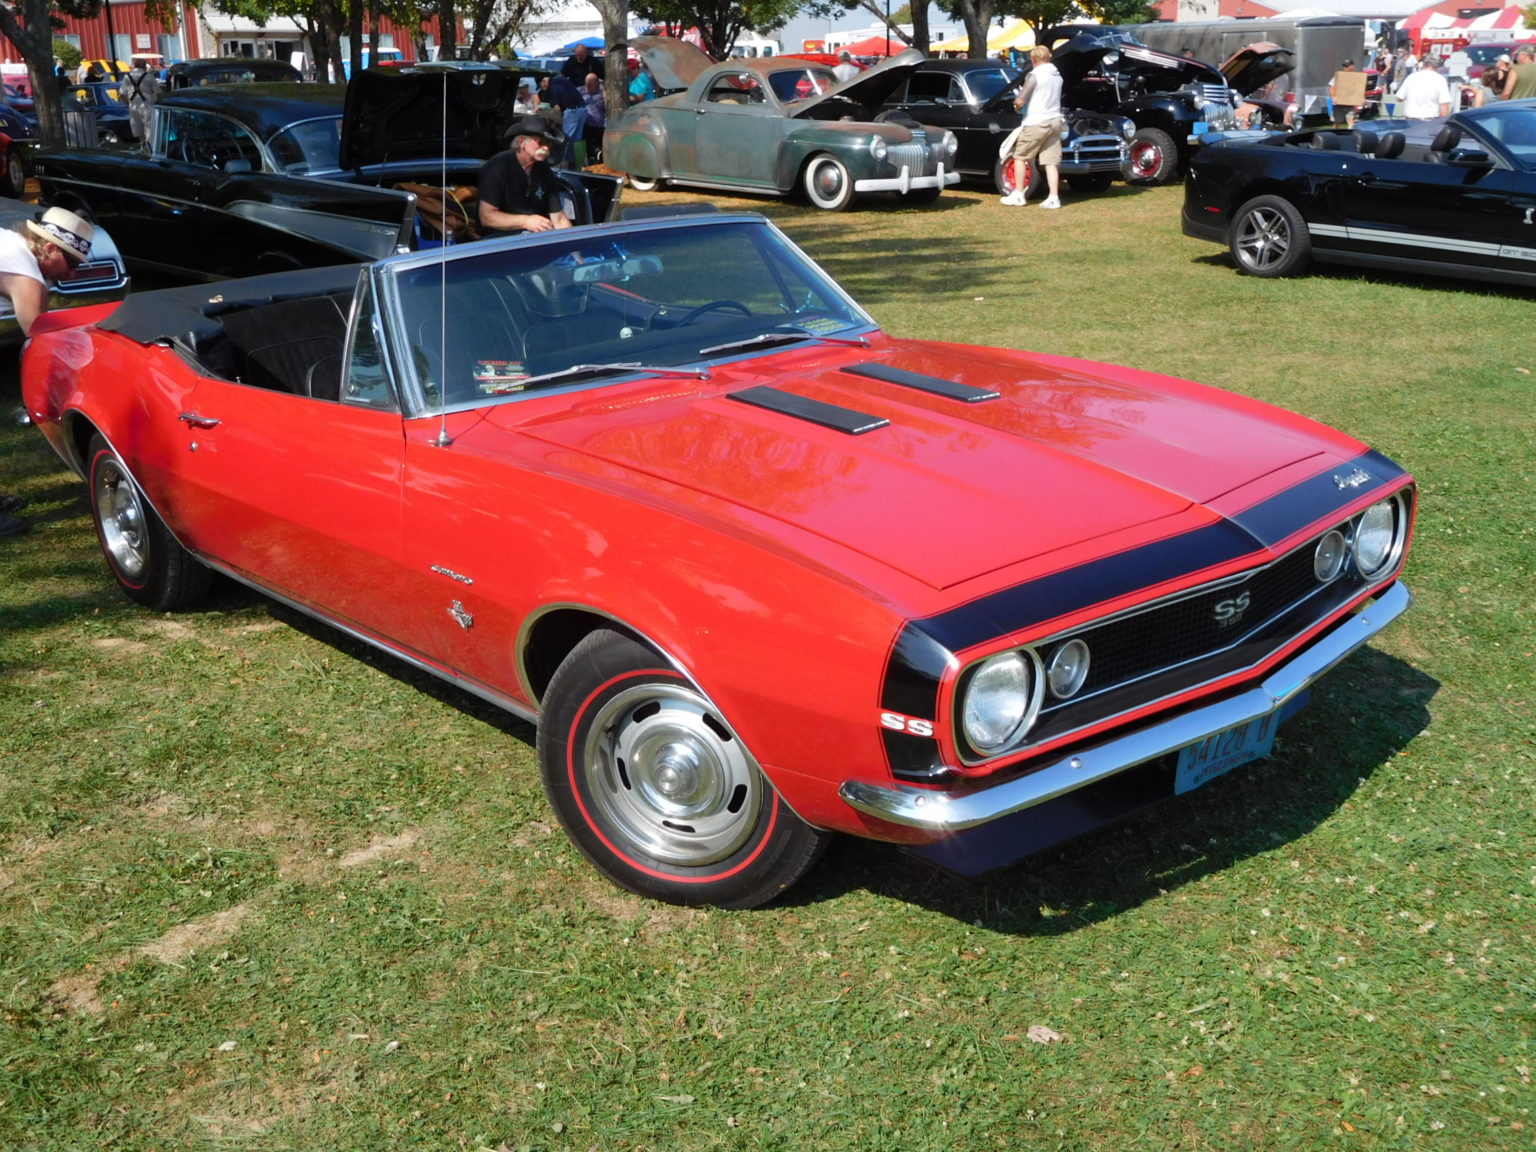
column 44, row 251
column 641, row 86
column 1040, row 135
column 1425, row 95
column 518, row 189
column 94, row 74
column 1521, row 81
column 565, row 96
column 597, row 117
column 846, row 69
column 1493, row 79
column 139, row 91
column 527, row 97
column 1342, row 113
column 579, row 65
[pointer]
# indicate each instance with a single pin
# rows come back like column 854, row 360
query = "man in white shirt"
column 1425, row 95
column 1039, row 139
column 48, row 250
column 846, row 69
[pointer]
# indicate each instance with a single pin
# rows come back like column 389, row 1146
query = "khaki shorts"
column 1039, row 142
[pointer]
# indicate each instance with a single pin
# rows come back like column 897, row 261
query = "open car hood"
column 674, row 64
column 871, row 87
column 1163, row 71
column 398, row 114
column 1249, row 69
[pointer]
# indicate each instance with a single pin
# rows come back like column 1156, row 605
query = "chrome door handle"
column 193, row 420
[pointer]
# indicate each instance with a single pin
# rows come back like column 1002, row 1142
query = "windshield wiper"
column 786, row 333
column 591, row 371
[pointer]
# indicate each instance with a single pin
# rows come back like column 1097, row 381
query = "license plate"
column 1223, row 751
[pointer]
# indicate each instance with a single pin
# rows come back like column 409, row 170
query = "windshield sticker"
column 821, row 325
column 498, row 377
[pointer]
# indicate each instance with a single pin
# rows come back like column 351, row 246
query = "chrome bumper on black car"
column 1093, row 154
column 955, row 810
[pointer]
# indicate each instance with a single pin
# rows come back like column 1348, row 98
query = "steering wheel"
column 714, row 306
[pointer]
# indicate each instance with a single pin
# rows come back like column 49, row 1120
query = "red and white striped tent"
column 1434, row 27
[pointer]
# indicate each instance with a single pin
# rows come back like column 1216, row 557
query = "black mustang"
column 1455, row 196
column 247, row 178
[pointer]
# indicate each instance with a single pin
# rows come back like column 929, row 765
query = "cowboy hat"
column 69, row 233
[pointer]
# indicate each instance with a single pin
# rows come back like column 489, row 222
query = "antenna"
column 443, row 440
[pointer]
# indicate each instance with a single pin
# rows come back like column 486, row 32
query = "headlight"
column 878, row 148
column 951, row 145
column 1068, row 669
column 1127, row 129
column 1375, row 541
column 1328, row 558
column 1000, row 702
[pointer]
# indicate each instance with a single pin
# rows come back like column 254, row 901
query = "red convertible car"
column 760, row 572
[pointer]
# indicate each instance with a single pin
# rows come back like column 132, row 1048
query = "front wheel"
column 828, row 184
column 16, row 172
column 1269, row 238
column 1154, row 157
column 1003, row 177
column 150, row 565
column 656, row 790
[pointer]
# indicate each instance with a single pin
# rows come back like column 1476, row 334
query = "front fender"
column 849, row 143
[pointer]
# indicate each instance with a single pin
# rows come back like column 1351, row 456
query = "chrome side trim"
column 954, row 811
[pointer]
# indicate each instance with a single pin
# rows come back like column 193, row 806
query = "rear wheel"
column 1154, row 157
column 1269, row 238
column 641, row 184
column 149, row 564
column 15, row 171
column 656, row 790
column 828, row 184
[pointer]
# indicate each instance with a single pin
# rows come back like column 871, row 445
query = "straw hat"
column 62, row 227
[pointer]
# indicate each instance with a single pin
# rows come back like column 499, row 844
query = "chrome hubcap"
column 122, row 521
column 829, row 181
column 669, row 778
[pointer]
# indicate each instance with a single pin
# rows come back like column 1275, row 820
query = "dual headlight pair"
column 879, row 149
column 1003, row 695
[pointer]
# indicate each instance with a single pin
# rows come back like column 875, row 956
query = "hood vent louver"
column 951, row 389
column 813, row 411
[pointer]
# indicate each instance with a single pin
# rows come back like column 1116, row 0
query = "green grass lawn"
column 262, row 889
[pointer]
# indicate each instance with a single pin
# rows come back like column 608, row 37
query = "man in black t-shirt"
column 518, row 189
column 579, row 65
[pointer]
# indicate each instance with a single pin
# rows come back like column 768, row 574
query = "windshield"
column 487, row 327
column 1514, row 129
column 308, row 146
column 800, row 83
column 986, row 83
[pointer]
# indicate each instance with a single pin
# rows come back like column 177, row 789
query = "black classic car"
column 974, row 100
column 229, row 70
column 1173, row 100
column 247, row 178
column 1455, row 196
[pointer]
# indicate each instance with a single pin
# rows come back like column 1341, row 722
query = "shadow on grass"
column 1361, row 717
column 1383, row 278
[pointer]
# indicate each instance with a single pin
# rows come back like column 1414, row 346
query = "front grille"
column 1096, row 152
column 1183, row 643
column 914, row 156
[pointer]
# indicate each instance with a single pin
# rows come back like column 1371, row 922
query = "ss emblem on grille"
column 1229, row 612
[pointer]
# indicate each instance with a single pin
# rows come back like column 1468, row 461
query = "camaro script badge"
column 1351, row 479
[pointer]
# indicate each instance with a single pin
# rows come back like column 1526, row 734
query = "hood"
column 397, row 114
column 1249, row 69
column 1162, row 71
column 872, row 87
column 674, row 63
column 947, row 491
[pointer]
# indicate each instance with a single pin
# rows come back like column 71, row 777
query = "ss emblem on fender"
column 914, row 725
column 1229, row 612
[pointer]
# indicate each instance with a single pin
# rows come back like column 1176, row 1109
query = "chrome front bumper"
column 938, row 811
column 906, row 181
